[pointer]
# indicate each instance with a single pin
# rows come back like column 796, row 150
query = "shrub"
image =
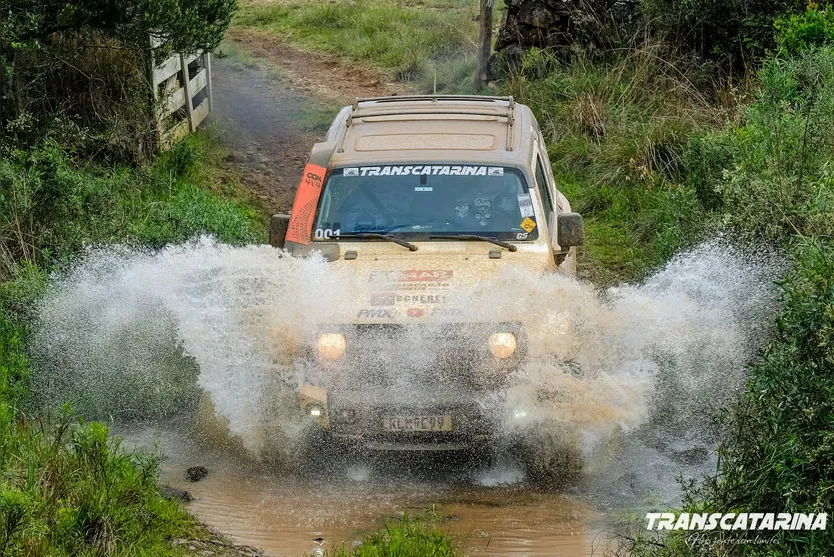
column 781, row 181
column 79, row 68
column 735, row 31
column 407, row 537
column 798, row 32
column 69, row 489
column 51, row 206
column 617, row 131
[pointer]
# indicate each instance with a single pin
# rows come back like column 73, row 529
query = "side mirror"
column 278, row 225
column 570, row 230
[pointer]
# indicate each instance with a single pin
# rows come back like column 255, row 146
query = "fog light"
column 332, row 345
column 502, row 345
column 519, row 414
column 315, row 411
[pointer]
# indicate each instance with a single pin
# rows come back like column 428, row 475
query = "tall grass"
column 618, row 129
column 409, row 40
column 52, row 205
column 772, row 178
column 66, row 487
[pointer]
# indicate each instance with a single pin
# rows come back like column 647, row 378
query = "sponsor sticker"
column 423, row 188
column 350, row 172
column 528, row 224
column 412, row 275
column 382, row 299
column 525, row 203
column 421, row 298
column 304, row 206
column 416, row 312
column 376, row 313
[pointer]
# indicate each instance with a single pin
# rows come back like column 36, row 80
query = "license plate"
column 417, row 423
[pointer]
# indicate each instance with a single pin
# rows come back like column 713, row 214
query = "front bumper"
column 434, row 372
column 362, row 419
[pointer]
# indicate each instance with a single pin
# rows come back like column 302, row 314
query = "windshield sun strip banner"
column 423, row 170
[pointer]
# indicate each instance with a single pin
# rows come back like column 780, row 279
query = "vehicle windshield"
column 431, row 199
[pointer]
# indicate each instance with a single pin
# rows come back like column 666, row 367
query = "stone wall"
column 560, row 24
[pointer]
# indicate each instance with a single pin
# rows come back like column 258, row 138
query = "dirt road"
column 266, row 94
column 273, row 102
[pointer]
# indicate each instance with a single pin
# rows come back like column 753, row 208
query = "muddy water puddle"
column 491, row 512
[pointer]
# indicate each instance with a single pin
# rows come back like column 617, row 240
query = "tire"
column 551, row 457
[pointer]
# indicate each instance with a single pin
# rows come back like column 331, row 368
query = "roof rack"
column 357, row 112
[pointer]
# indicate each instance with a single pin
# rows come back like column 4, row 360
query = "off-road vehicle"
column 423, row 197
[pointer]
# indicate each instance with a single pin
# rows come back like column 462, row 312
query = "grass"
column 618, row 132
column 52, row 205
column 408, row 40
column 406, row 537
column 67, row 487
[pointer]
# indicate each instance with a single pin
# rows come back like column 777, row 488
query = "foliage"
column 798, row 32
column 51, row 206
column 407, row 537
column 69, row 489
column 735, row 31
column 80, row 68
column 774, row 173
column 617, row 132
column 773, row 178
column 410, row 40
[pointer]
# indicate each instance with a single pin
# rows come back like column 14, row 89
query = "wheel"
column 551, row 456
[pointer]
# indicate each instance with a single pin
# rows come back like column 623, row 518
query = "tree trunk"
column 481, row 77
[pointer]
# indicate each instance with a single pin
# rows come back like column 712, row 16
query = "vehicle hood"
column 436, row 283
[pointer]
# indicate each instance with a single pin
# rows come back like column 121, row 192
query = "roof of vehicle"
column 422, row 128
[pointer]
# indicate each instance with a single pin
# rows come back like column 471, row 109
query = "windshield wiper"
column 403, row 243
column 495, row 241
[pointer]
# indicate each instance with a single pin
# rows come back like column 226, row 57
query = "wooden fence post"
column 486, row 44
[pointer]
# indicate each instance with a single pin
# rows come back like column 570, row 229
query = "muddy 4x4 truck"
column 422, row 196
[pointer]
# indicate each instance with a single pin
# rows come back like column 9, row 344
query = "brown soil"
column 262, row 108
column 320, row 75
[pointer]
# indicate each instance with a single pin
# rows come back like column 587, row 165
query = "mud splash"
column 135, row 334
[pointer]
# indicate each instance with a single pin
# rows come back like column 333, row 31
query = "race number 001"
column 325, row 233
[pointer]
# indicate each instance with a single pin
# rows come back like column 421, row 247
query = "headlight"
column 502, row 345
column 332, row 345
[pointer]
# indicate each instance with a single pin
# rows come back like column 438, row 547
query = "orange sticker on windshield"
column 304, row 206
column 528, row 224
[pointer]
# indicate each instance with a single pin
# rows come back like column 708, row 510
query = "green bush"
column 69, row 489
column 798, row 32
column 778, row 448
column 735, row 31
column 51, row 206
column 773, row 174
column 84, row 60
column 617, row 133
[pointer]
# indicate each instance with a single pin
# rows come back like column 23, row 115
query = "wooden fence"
column 182, row 93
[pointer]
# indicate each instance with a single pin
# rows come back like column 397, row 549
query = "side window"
column 544, row 190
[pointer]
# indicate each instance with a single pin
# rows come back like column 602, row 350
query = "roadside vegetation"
column 405, row 537
column 78, row 168
column 410, row 40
